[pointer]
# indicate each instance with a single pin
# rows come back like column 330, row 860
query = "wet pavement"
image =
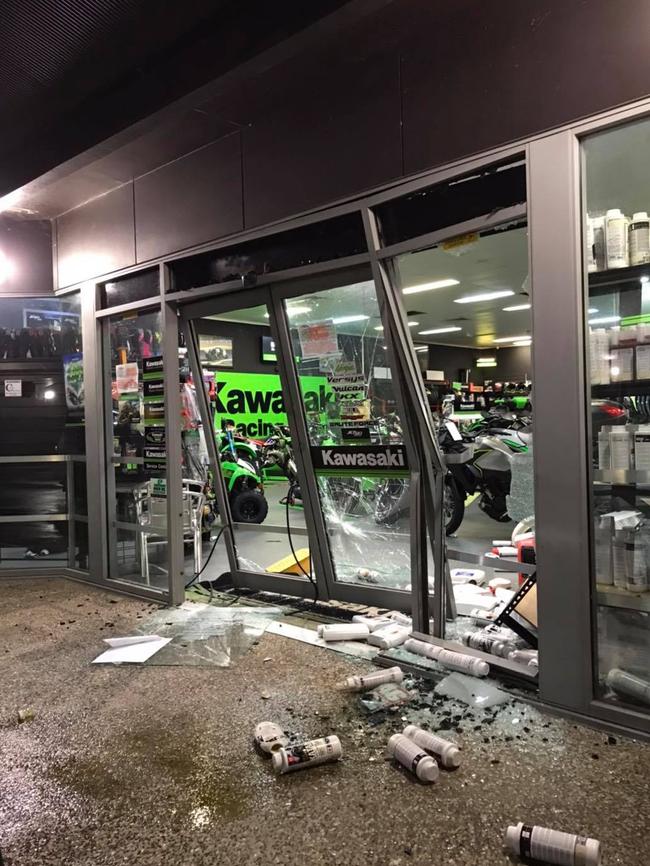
column 154, row 765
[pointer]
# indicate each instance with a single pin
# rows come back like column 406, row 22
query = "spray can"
column 629, row 684
column 488, row 643
column 389, row 636
column 413, row 758
column 620, row 448
column 449, row 753
column 636, row 550
column 353, row 631
column 372, row 622
column 523, row 655
column 454, row 661
column 616, row 225
column 362, row 682
column 270, row 737
column 322, row 751
column 552, row 846
column 642, row 448
column 400, row 618
column 604, row 456
column 639, row 238
column 595, row 243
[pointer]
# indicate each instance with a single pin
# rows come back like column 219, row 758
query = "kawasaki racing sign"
column 382, row 460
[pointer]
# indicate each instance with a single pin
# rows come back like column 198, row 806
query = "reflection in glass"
column 617, row 263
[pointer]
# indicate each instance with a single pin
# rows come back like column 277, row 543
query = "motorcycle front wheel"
column 453, row 505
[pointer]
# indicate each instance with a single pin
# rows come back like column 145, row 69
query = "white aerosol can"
column 400, row 618
column 270, row 737
column 448, row 753
column 639, row 237
column 411, row 756
column 372, row 622
column 322, row 751
column 361, row 682
column 552, row 846
column 454, row 661
column 353, row 631
column 626, row 683
column 488, row 643
column 389, row 636
column 616, row 225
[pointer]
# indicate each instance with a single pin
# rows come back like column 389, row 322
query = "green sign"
column 254, row 402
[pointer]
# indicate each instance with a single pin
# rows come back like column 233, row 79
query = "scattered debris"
column 362, row 682
column 26, row 715
column 265, row 696
column 270, row 737
column 131, row 650
column 387, row 696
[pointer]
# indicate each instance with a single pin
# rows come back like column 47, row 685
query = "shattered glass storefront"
column 386, row 406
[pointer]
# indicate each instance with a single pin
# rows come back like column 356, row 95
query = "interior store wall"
column 365, row 109
column 513, row 363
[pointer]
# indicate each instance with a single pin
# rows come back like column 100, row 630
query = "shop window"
column 463, row 198
column 139, row 286
column 317, row 242
column 42, row 409
column 617, row 265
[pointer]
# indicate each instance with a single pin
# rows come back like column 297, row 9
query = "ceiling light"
column 510, row 339
column 592, row 310
column 484, row 296
column 516, row 308
column 421, row 348
column 482, row 359
column 428, row 287
column 486, row 364
column 9, row 200
column 412, row 324
column 439, row 331
column 379, row 328
column 605, row 320
column 522, row 342
column 297, row 310
column 344, row 320
column 49, row 394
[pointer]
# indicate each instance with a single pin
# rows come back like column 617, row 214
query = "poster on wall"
column 127, row 378
column 215, row 351
column 73, row 378
column 318, row 340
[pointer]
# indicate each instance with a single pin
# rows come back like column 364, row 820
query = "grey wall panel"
column 190, row 201
column 25, row 256
column 97, row 237
column 477, row 75
column 330, row 132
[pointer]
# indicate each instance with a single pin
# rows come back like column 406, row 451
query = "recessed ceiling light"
column 49, row 394
column 344, row 320
column 484, row 296
column 605, row 320
column 511, row 339
column 516, row 308
column 428, row 287
column 439, row 331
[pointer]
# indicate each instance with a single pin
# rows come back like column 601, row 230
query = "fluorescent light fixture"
column 511, row 339
column 439, row 331
column 379, row 328
column 428, row 287
column 49, row 394
column 605, row 320
column 484, row 296
column 522, row 343
column 592, row 310
column 421, row 348
column 486, row 363
column 516, row 308
column 344, row 320
column 484, row 359
column 412, row 324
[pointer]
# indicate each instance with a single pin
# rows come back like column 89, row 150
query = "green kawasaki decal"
column 254, row 402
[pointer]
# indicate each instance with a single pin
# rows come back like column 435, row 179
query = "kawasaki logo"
column 239, row 401
column 350, row 458
column 360, row 459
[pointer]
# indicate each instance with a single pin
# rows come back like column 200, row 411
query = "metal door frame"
column 273, row 294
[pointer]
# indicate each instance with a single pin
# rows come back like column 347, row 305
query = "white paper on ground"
column 131, row 650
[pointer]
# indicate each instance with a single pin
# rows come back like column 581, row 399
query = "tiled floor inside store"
column 153, row 765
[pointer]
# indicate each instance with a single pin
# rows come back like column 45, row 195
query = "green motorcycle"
column 241, row 472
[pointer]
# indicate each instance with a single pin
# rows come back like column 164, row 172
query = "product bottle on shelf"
column 642, row 448
column 620, row 448
column 595, row 243
column 639, row 239
column 616, row 230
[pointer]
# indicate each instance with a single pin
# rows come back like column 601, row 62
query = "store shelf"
column 622, row 476
column 613, row 596
column 602, row 282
